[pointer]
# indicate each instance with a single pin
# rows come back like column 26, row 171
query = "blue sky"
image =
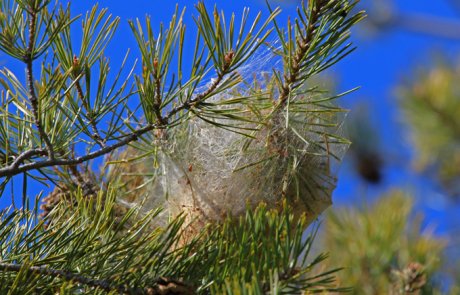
column 379, row 64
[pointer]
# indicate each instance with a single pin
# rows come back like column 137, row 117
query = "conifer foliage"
column 227, row 150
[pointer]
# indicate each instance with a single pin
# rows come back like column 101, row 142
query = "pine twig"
column 27, row 155
column 68, row 276
column 30, row 83
column 15, row 168
column 200, row 97
column 157, row 99
column 162, row 286
column 303, row 44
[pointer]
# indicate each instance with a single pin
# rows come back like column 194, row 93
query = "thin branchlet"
column 15, row 168
column 133, row 136
column 161, row 286
column 28, row 58
column 215, row 83
column 68, row 276
column 158, row 97
column 27, row 155
column 88, row 187
column 303, row 45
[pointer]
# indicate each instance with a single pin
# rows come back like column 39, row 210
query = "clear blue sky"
column 377, row 66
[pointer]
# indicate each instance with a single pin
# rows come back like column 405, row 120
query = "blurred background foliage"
column 431, row 107
column 389, row 253
column 382, row 239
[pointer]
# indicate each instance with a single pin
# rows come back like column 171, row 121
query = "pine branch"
column 99, row 246
column 158, row 99
column 15, row 168
column 68, row 276
column 162, row 123
column 30, row 83
column 27, row 155
column 162, row 286
column 448, row 120
column 202, row 96
column 303, row 43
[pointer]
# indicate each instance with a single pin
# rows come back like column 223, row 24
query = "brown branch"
column 27, row 155
column 162, row 286
column 194, row 101
column 12, row 170
column 157, row 99
column 303, row 45
column 30, row 83
column 87, row 185
column 68, row 276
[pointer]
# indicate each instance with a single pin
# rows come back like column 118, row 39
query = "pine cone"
column 51, row 201
column 410, row 280
column 64, row 190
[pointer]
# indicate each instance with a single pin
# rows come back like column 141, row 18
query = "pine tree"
column 211, row 171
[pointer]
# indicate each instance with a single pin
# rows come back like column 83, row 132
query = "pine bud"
column 155, row 65
column 76, row 65
column 229, row 58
